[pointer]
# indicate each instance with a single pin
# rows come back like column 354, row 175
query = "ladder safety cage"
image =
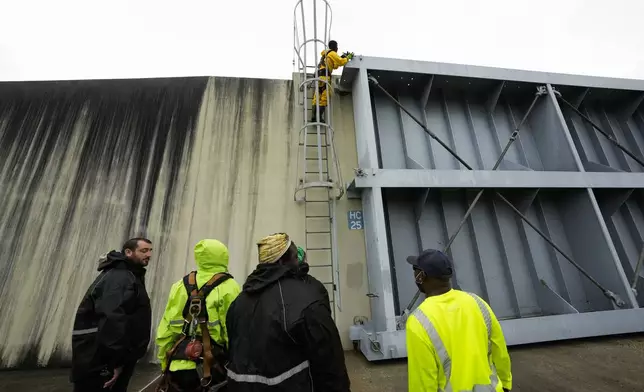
column 319, row 183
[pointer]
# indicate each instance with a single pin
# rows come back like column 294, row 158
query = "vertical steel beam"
column 450, row 130
column 426, row 91
column 423, row 111
column 632, row 106
column 383, row 312
column 493, row 99
column 579, row 99
column 617, row 134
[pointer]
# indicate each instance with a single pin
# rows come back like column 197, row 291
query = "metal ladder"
column 319, row 182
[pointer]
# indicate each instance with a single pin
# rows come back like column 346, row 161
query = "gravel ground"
column 596, row 365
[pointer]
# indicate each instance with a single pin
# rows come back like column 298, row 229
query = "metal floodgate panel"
column 533, row 189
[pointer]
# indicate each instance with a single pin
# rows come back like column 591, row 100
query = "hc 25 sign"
column 355, row 220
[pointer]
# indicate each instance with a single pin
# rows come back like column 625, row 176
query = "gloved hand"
column 506, row 390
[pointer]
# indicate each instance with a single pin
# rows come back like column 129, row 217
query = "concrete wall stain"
column 86, row 164
column 80, row 171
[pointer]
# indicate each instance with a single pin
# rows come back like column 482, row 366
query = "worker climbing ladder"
column 319, row 182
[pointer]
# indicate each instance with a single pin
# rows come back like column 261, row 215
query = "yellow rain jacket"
column 332, row 61
column 455, row 339
column 212, row 258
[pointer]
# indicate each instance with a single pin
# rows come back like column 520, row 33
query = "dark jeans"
column 95, row 382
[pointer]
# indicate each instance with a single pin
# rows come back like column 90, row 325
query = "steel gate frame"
column 383, row 337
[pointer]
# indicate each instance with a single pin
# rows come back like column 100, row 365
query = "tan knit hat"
column 272, row 247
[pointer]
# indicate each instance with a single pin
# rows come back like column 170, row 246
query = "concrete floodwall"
column 85, row 165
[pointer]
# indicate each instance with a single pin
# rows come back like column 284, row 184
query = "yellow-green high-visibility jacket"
column 212, row 258
column 455, row 343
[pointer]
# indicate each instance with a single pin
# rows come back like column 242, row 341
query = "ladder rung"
column 317, row 201
column 315, row 172
column 321, row 266
column 312, row 145
column 315, row 159
column 318, row 216
column 319, row 249
column 318, row 232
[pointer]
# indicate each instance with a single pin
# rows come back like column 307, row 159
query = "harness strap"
column 165, row 382
column 322, row 63
column 171, row 352
column 215, row 281
column 195, row 311
column 207, row 356
column 192, row 282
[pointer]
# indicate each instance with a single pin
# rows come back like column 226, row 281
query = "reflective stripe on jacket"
column 282, row 335
column 212, row 258
column 455, row 343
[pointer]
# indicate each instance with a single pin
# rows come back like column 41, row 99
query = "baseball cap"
column 433, row 263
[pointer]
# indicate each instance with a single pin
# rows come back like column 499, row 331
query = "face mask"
column 418, row 279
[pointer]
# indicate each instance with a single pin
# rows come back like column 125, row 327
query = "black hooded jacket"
column 113, row 320
column 282, row 336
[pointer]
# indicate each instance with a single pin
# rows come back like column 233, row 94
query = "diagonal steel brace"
column 608, row 293
column 541, row 91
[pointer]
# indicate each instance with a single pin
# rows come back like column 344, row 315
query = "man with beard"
column 281, row 333
column 454, row 340
column 112, row 326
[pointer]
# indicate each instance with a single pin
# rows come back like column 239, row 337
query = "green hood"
column 211, row 256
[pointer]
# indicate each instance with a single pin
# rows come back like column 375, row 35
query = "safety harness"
column 189, row 345
column 321, row 67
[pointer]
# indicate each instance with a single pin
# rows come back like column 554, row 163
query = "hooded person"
column 214, row 287
column 281, row 333
column 112, row 325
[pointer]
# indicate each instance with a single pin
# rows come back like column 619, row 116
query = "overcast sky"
column 79, row 39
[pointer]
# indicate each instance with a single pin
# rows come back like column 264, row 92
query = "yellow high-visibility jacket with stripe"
column 455, row 343
column 212, row 258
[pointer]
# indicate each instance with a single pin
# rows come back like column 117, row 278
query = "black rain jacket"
column 282, row 336
column 113, row 320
